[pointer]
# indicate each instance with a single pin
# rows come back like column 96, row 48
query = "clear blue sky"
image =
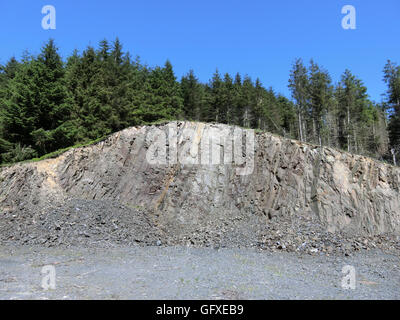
column 259, row 38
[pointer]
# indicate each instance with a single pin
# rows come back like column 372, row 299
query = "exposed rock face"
column 239, row 196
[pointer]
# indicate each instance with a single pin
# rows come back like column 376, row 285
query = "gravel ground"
column 193, row 273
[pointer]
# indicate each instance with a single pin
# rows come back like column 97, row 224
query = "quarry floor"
column 194, row 273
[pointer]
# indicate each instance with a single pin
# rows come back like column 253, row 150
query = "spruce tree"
column 392, row 79
column 37, row 107
column 352, row 99
column 319, row 95
column 160, row 98
column 193, row 97
column 248, row 102
column 237, row 100
column 298, row 85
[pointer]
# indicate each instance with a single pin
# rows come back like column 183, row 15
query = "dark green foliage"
column 340, row 116
column 47, row 105
column 35, row 104
column 17, row 153
column 298, row 85
column 392, row 79
column 194, row 97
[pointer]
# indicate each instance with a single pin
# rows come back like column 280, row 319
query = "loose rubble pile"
column 95, row 223
column 309, row 236
column 79, row 223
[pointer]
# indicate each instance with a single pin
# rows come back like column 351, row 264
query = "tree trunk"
column 355, row 140
column 394, row 156
column 314, row 130
column 300, row 127
column 305, row 131
column 348, row 128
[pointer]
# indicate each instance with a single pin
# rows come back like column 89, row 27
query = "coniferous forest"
column 47, row 104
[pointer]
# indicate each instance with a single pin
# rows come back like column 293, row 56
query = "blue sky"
column 259, row 38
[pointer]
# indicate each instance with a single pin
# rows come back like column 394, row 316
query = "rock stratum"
column 203, row 184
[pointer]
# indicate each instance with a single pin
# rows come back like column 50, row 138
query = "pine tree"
column 226, row 110
column 392, row 79
column 193, row 97
column 260, row 110
column 352, row 99
column 7, row 73
column 248, row 102
column 237, row 100
column 117, row 77
column 319, row 95
column 88, row 93
column 298, row 84
column 288, row 117
column 36, row 108
column 215, row 104
column 161, row 97
column 273, row 112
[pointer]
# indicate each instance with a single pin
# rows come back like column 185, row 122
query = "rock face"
column 197, row 181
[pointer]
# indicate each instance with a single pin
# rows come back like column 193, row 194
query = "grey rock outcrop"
column 191, row 195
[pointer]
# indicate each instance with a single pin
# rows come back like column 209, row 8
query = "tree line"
column 47, row 104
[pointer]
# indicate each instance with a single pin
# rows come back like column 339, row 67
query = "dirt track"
column 190, row 273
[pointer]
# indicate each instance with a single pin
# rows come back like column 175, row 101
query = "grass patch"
column 57, row 153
